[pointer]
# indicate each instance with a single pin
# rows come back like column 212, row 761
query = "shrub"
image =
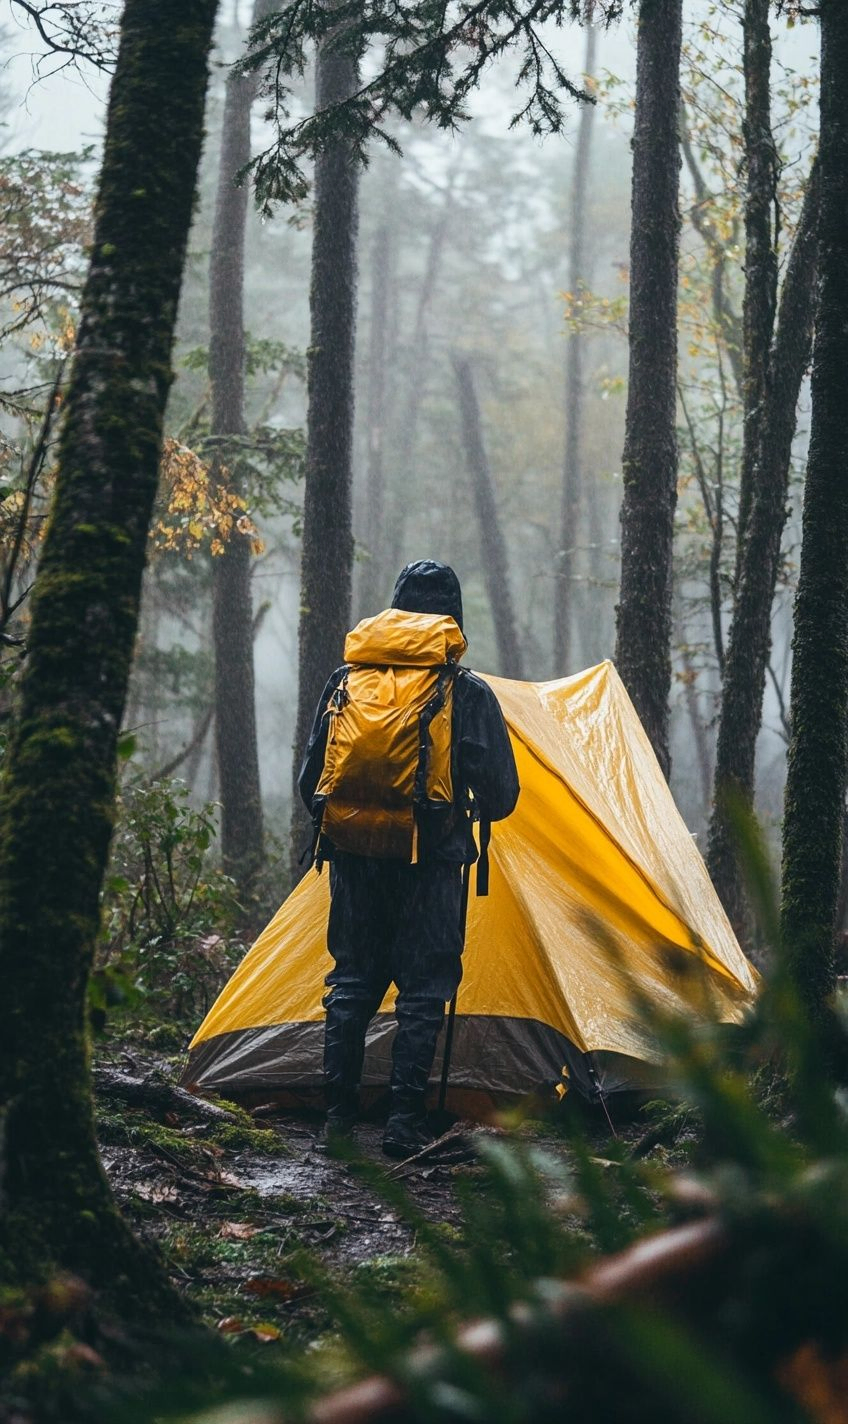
column 170, row 916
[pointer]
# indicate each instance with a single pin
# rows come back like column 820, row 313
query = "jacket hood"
column 428, row 587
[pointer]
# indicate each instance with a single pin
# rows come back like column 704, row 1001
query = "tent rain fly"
column 598, row 898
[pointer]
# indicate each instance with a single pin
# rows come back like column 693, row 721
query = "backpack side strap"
column 483, row 858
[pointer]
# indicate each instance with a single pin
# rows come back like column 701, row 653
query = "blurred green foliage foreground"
column 699, row 1275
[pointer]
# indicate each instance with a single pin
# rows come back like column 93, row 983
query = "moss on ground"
column 400, row 1281
column 133, row 1127
column 239, row 1137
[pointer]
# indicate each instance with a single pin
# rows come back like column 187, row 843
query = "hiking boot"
column 337, row 1130
column 406, row 1134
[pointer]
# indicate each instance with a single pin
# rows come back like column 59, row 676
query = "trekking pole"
column 463, row 917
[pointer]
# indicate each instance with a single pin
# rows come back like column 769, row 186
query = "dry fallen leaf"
column 238, row 1230
column 226, row 1179
column 156, row 1191
column 273, row 1287
column 231, row 1325
column 265, row 1332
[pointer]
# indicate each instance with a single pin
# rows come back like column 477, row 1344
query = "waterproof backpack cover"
column 388, row 756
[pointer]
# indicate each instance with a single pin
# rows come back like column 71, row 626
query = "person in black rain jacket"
column 394, row 922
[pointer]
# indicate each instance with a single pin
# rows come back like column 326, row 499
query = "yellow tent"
column 597, row 889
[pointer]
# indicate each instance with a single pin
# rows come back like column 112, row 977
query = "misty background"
column 463, row 250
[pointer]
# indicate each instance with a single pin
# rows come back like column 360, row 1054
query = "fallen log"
column 157, row 1095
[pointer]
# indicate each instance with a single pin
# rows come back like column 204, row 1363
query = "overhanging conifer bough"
column 58, row 795
column 433, row 57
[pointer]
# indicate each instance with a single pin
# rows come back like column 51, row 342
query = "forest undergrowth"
column 303, row 1265
column 683, row 1259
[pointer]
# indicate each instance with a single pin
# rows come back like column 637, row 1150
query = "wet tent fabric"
column 598, row 898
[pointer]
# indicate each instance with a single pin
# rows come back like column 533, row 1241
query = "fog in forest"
column 465, row 265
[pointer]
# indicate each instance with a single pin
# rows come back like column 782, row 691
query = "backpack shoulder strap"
column 447, row 674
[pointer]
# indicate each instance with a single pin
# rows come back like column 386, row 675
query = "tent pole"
column 463, row 919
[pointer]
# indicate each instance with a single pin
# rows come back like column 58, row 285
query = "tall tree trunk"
column 56, row 1208
column 760, row 299
column 594, row 628
column 572, row 473
column 749, row 640
column 699, row 725
column 327, row 544
column 371, row 582
column 235, row 692
column 818, row 750
column 492, row 543
column 416, row 382
column 649, row 464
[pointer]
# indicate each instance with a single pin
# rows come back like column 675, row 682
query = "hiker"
column 396, row 866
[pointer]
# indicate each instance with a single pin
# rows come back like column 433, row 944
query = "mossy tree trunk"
column 649, row 463
column 572, row 480
column 58, row 795
column 327, row 543
column 818, row 749
column 749, row 639
column 493, row 550
column 235, row 693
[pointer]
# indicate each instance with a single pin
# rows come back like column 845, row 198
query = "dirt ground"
column 237, row 1205
column 326, row 1200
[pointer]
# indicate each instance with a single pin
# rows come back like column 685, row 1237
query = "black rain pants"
column 390, row 923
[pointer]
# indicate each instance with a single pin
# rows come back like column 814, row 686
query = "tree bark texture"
column 372, row 581
column 235, row 692
column 649, row 465
column 574, row 382
column 327, row 544
column 818, row 750
column 492, row 542
column 749, row 639
column 760, row 299
column 416, row 378
column 57, row 806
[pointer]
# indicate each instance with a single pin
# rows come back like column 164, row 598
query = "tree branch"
column 75, row 28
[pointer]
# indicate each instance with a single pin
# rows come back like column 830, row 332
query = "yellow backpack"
column 389, row 734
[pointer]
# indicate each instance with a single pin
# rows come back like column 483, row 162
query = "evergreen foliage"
column 434, row 55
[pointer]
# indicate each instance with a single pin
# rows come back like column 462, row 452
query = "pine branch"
column 434, row 55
